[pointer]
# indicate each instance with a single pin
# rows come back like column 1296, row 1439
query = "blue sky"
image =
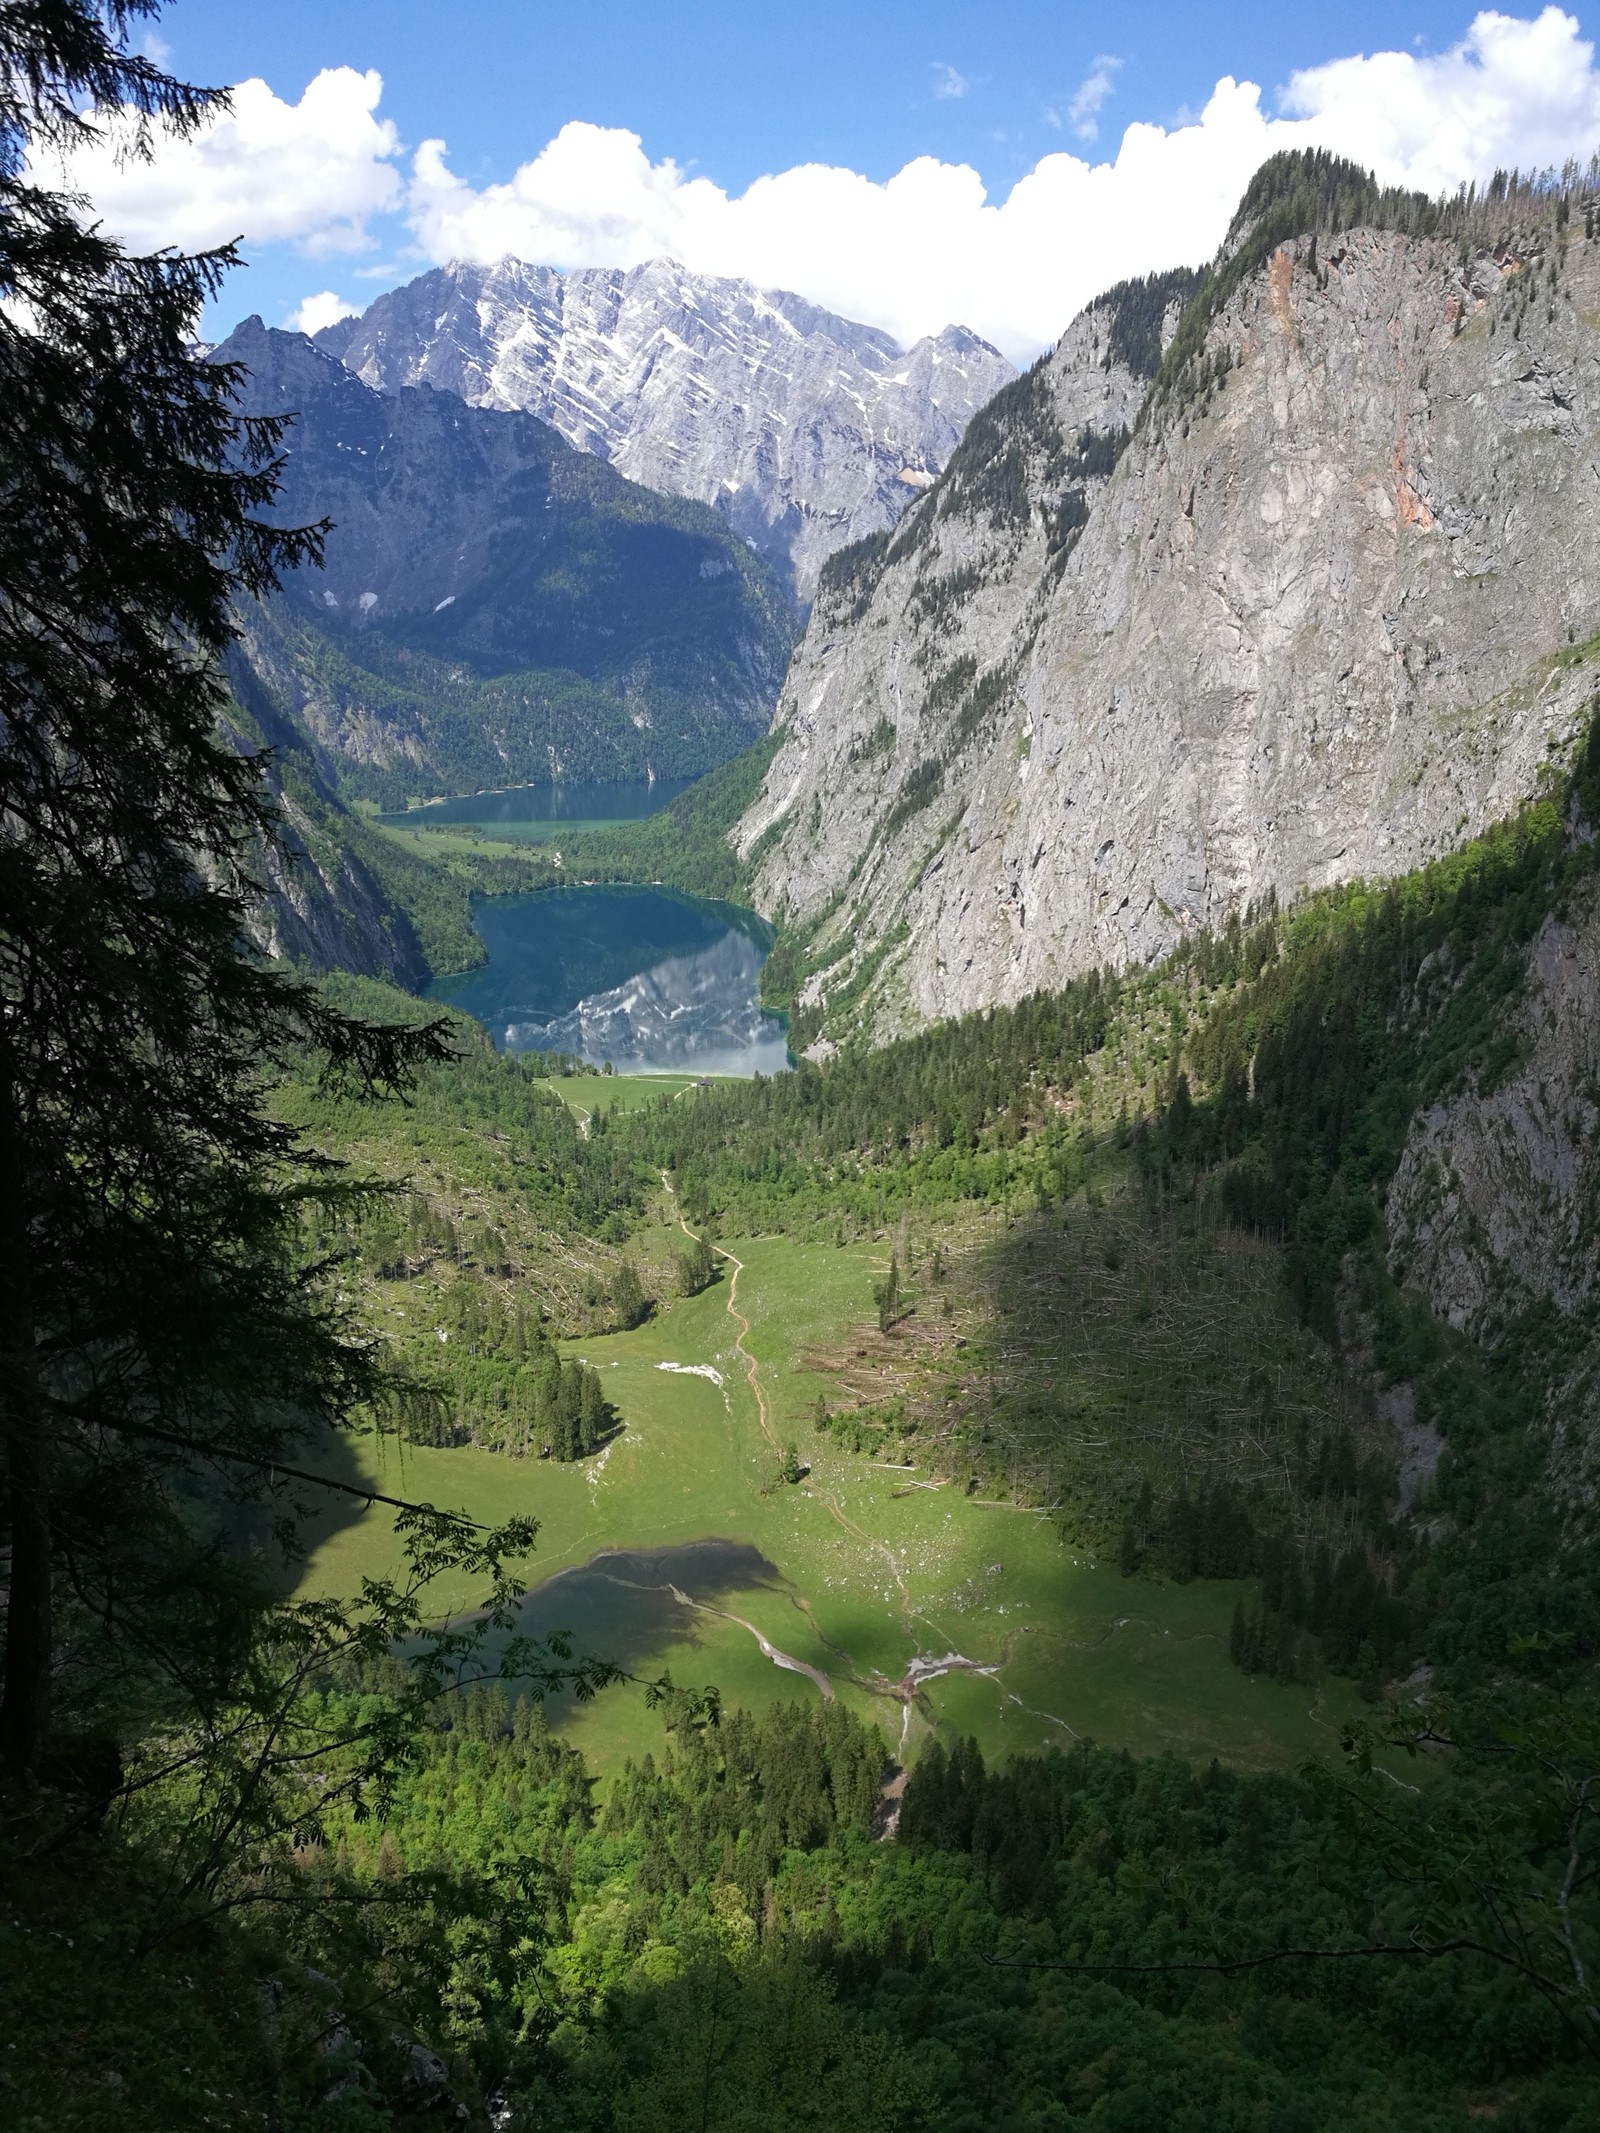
column 741, row 87
column 334, row 204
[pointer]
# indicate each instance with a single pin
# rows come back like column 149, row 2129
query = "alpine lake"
column 630, row 980
column 635, row 981
column 672, row 1549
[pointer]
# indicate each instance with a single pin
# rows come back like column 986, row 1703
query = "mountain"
column 805, row 430
column 333, row 889
column 1294, row 581
column 495, row 607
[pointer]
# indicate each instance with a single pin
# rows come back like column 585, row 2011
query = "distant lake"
column 619, row 800
column 648, row 981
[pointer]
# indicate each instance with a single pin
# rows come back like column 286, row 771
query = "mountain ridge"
column 1329, row 605
column 806, row 430
column 494, row 607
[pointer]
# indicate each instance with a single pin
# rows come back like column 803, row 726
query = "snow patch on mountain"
column 805, row 430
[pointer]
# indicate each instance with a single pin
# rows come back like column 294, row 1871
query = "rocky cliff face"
column 804, row 430
column 1331, row 611
column 495, row 607
column 1496, row 1202
column 321, row 904
column 325, row 908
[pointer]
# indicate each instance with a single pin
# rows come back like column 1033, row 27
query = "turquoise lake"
column 646, row 981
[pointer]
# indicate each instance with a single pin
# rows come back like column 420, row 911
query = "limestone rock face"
column 1326, row 617
column 320, row 903
column 1493, row 1203
column 323, row 907
column 1492, row 1207
column 805, row 430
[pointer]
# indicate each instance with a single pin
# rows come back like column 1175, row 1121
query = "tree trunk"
column 25, row 1694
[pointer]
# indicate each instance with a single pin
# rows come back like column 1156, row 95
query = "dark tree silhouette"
column 161, row 1332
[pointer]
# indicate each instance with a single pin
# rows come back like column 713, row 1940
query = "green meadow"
column 439, row 840
column 870, row 1567
column 584, row 1094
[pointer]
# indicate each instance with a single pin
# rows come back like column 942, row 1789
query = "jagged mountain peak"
column 805, row 429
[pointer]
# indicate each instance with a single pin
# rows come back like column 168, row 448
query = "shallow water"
column 643, row 980
column 619, row 800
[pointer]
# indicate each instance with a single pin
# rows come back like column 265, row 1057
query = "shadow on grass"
column 316, row 1514
column 629, row 1604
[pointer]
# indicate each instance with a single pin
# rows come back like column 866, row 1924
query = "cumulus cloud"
column 1511, row 93
column 312, row 313
column 913, row 254
column 929, row 247
column 1090, row 94
column 311, row 173
column 947, row 82
column 919, row 251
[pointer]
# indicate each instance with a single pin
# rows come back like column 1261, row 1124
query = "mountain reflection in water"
column 694, row 1014
column 645, row 980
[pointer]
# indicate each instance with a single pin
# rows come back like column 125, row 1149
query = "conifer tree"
column 697, row 1267
column 886, row 1295
column 629, row 1304
column 160, row 1333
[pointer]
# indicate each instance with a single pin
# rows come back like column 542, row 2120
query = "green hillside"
column 1079, row 1408
column 1043, row 1578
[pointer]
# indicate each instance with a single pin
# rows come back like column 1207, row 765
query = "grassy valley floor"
column 877, row 1574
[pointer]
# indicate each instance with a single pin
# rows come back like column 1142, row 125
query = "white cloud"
column 929, row 247
column 947, row 82
column 915, row 253
column 1511, row 93
column 1090, row 94
column 912, row 254
column 310, row 173
column 312, row 313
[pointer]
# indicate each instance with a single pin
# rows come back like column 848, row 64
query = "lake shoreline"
column 628, row 977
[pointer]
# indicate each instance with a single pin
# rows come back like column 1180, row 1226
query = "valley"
column 868, row 1571
column 1030, row 1429
column 799, row 1139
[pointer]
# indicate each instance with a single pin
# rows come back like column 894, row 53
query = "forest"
column 282, row 1855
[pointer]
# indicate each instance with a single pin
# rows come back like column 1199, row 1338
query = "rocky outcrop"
column 1332, row 610
column 324, row 907
column 1495, row 1206
column 804, row 430
column 1496, row 1202
column 321, row 904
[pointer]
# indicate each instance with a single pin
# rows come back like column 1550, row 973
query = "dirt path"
column 752, row 1369
column 923, row 1668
